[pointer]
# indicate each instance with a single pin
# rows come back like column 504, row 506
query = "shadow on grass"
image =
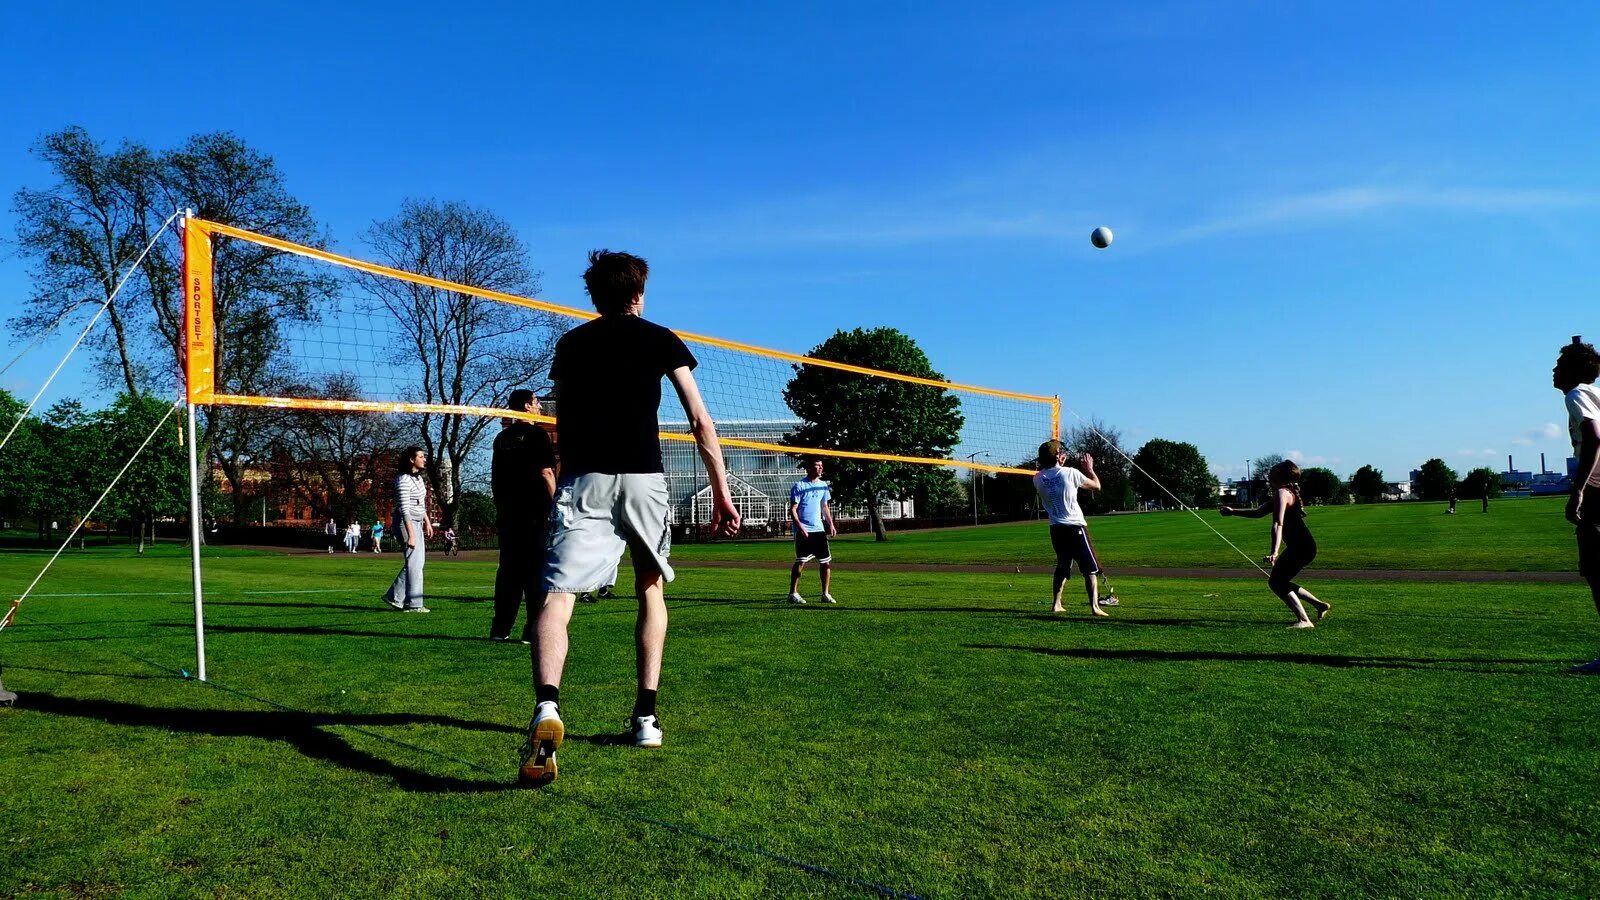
column 298, row 604
column 99, row 674
column 1116, row 621
column 314, row 630
column 1330, row 660
column 301, row 730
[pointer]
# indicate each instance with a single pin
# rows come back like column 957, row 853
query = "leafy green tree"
column 1480, row 482
column 1319, row 485
column 156, row 485
column 20, row 461
column 941, row 495
column 1177, row 465
column 1435, row 480
column 844, row 411
column 1367, row 484
column 74, row 468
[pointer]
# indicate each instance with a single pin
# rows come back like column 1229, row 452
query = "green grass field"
column 940, row 735
column 1516, row 535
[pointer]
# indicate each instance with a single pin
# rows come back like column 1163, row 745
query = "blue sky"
column 1352, row 232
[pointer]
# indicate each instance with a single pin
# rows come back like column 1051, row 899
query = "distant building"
column 759, row 480
column 1516, row 480
column 1399, row 490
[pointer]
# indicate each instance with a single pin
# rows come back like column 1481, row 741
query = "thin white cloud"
column 1354, row 201
column 1304, row 459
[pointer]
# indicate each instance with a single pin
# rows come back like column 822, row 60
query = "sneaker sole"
column 648, row 744
column 540, row 769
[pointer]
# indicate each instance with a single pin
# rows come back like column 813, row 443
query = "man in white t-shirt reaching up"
column 1576, row 370
column 1058, row 485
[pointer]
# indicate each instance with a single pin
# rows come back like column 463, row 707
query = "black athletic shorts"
column 1072, row 545
column 813, row 545
column 1589, row 534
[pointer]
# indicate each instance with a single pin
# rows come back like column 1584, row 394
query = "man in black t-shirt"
column 523, row 479
column 612, row 495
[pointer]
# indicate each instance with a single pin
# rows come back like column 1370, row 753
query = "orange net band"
column 202, row 226
column 371, row 406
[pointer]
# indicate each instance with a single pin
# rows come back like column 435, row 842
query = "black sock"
column 543, row 692
column 644, row 704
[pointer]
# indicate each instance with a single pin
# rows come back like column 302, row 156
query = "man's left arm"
column 1588, row 459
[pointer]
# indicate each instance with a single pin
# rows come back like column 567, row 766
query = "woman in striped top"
column 412, row 528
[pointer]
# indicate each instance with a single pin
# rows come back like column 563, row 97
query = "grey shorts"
column 595, row 517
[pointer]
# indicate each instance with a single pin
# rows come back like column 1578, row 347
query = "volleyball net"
column 388, row 341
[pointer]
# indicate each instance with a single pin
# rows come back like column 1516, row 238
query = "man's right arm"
column 1090, row 481
column 724, row 515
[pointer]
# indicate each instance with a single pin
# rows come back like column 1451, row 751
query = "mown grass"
column 938, row 734
column 1516, row 535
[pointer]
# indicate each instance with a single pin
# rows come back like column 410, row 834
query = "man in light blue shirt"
column 813, row 522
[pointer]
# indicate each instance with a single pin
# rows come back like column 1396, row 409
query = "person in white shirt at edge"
column 1058, row 485
column 813, row 524
column 1575, row 373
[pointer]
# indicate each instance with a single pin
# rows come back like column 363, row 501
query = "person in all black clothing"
column 523, row 479
column 1293, row 547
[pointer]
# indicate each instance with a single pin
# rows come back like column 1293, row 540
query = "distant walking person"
column 613, row 494
column 1452, row 501
column 813, row 523
column 1293, row 547
column 412, row 528
column 451, row 547
column 1486, row 496
column 1058, row 485
column 523, row 479
column 332, row 531
column 1577, row 369
column 352, row 537
column 377, row 536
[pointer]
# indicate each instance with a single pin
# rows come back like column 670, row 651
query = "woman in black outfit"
column 1293, row 547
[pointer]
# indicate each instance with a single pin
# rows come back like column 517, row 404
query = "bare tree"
column 465, row 350
column 334, row 461
column 257, row 289
column 83, row 232
column 1104, row 442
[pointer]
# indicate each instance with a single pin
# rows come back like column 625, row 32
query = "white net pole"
column 194, row 551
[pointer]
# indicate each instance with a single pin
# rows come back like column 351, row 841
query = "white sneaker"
column 416, row 609
column 645, row 731
column 1109, row 601
column 797, row 599
column 828, row 598
column 1589, row 668
column 1299, row 625
column 538, row 759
